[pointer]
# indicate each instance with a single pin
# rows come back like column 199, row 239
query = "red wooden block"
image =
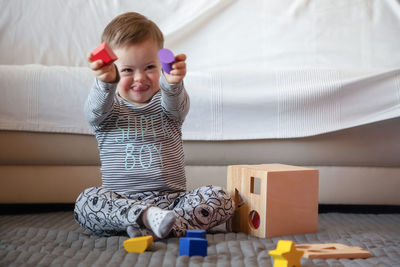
column 105, row 53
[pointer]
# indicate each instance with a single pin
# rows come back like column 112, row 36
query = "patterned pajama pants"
column 106, row 213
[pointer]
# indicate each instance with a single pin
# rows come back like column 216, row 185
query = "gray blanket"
column 54, row 239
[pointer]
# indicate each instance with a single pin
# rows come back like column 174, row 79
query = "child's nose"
column 139, row 76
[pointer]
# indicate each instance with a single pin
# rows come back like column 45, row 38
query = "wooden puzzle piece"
column 138, row 244
column 286, row 254
column 332, row 250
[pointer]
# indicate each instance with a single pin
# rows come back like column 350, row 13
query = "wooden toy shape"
column 138, row 244
column 286, row 254
column 332, row 251
column 285, row 203
column 191, row 246
column 196, row 233
column 167, row 59
column 105, row 53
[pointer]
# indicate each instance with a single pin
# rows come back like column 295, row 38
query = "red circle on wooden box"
column 254, row 219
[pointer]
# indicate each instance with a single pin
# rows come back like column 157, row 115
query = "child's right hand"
column 105, row 73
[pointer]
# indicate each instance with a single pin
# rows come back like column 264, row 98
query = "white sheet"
column 59, row 32
column 339, row 34
column 226, row 104
column 257, row 69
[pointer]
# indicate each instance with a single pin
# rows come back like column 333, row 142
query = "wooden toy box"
column 277, row 199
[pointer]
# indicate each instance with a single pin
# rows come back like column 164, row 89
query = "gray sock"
column 137, row 232
column 159, row 221
column 133, row 232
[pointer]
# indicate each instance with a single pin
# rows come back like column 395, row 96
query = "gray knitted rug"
column 54, row 239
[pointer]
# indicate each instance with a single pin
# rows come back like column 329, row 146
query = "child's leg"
column 202, row 208
column 107, row 213
column 159, row 217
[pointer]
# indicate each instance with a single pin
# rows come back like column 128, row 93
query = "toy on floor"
column 288, row 194
column 138, row 244
column 105, row 53
column 196, row 233
column 167, row 58
column 194, row 244
column 332, row 251
column 286, row 254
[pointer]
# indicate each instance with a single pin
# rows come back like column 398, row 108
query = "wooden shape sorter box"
column 274, row 199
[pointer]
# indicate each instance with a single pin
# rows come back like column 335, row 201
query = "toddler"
column 136, row 112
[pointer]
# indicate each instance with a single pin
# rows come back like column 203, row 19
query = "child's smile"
column 139, row 88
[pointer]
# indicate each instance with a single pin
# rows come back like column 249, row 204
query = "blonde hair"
column 131, row 28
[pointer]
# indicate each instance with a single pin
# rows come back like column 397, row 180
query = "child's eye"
column 127, row 70
column 150, row 67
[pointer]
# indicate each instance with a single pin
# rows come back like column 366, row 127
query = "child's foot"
column 159, row 221
column 137, row 232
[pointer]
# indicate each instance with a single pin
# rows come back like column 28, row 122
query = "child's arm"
column 175, row 99
column 100, row 101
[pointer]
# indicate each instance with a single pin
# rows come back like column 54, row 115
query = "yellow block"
column 138, row 244
column 286, row 254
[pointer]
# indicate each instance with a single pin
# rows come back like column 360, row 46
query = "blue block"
column 191, row 246
column 196, row 233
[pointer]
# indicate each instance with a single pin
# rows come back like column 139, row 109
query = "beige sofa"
column 326, row 72
column 360, row 165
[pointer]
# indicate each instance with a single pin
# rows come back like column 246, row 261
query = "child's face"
column 139, row 69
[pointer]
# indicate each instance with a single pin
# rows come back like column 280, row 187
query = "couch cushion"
column 376, row 144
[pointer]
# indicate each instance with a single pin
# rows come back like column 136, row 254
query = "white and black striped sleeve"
column 175, row 100
column 100, row 102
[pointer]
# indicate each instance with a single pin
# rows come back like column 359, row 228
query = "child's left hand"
column 178, row 71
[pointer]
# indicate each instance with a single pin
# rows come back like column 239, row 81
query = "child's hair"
column 131, row 28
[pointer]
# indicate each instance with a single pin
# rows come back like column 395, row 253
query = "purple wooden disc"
column 167, row 58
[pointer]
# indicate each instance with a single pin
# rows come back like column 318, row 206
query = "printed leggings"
column 106, row 213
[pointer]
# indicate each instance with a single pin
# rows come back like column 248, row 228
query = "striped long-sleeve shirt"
column 140, row 147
